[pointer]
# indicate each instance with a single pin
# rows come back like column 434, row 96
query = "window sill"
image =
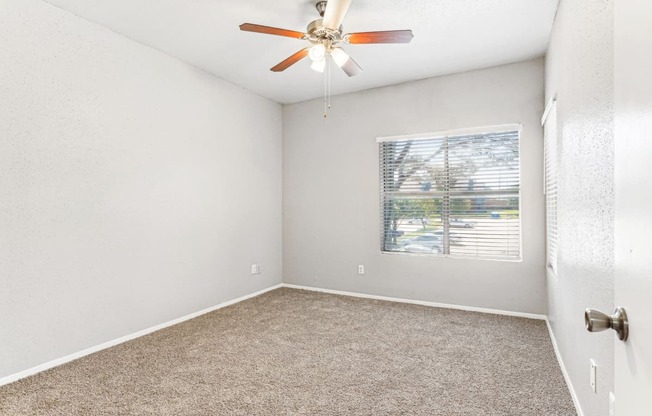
column 450, row 256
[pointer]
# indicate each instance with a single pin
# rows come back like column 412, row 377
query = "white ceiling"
column 449, row 36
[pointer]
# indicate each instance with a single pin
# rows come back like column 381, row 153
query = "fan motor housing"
column 318, row 32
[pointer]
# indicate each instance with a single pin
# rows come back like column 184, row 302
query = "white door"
column 633, row 282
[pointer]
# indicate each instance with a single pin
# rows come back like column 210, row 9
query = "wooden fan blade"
column 351, row 67
column 389, row 36
column 334, row 14
column 291, row 60
column 250, row 27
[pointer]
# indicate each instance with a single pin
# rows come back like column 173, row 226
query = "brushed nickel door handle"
column 597, row 321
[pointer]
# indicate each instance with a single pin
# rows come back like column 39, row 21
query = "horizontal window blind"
column 456, row 195
column 550, row 165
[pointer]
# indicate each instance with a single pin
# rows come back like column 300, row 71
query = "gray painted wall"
column 134, row 189
column 331, row 214
column 579, row 69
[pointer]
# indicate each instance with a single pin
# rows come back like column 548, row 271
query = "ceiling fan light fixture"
column 317, row 52
column 324, row 35
column 318, row 66
column 339, row 56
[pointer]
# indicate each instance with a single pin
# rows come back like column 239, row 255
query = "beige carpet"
column 293, row 352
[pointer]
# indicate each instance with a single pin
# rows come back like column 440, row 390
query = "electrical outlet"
column 612, row 404
column 254, row 269
column 360, row 269
column 593, row 376
column 258, row 269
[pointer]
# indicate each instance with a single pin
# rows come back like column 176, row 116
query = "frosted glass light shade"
column 317, row 52
column 318, row 65
column 339, row 56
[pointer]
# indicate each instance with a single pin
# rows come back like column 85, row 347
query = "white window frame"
column 455, row 133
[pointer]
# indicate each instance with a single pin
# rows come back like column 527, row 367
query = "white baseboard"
column 420, row 302
column 576, row 401
column 108, row 344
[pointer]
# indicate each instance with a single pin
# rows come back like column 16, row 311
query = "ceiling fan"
column 325, row 36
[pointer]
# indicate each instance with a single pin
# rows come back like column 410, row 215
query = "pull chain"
column 326, row 91
column 329, row 83
column 327, row 86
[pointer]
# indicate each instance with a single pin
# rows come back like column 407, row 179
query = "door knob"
column 597, row 321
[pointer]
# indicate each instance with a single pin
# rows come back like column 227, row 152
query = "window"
column 454, row 194
column 550, row 166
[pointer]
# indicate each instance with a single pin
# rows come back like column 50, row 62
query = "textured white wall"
column 579, row 69
column 331, row 213
column 134, row 189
